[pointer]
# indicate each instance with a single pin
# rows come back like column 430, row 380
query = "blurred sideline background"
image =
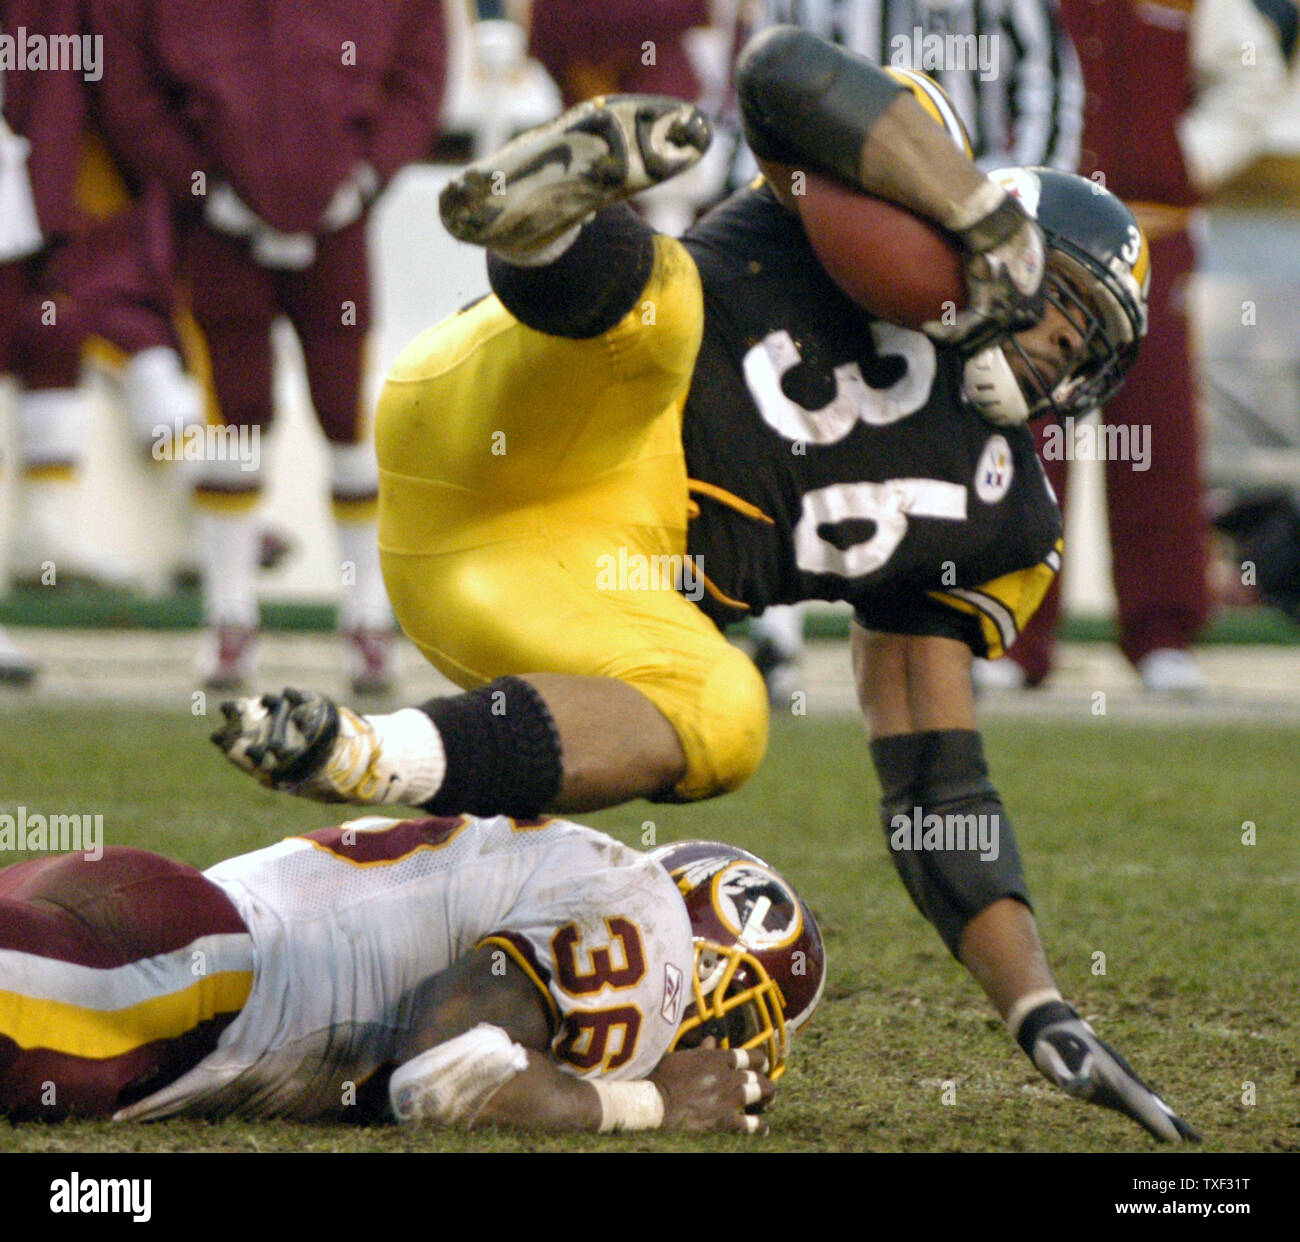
column 1250, row 370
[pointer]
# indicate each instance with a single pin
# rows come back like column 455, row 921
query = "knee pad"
column 949, row 836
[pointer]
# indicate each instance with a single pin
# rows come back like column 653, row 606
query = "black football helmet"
column 760, row 967
column 1098, row 276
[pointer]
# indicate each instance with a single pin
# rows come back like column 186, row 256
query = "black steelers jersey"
column 831, row 455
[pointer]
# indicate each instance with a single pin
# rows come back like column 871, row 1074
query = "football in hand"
column 901, row 268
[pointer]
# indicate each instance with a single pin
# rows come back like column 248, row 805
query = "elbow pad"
column 948, row 834
column 803, row 99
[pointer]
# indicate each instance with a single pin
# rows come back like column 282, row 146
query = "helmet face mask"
column 1090, row 374
column 759, row 965
column 737, row 1003
column 1098, row 272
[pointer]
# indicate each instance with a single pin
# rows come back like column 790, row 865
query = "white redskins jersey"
column 348, row 922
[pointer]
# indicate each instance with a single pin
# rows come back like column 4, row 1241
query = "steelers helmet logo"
column 1021, row 184
column 756, row 907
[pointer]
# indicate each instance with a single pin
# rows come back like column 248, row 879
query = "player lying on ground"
column 456, row 971
column 720, row 403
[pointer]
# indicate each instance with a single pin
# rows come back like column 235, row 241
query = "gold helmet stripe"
column 1142, row 265
column 934, row 99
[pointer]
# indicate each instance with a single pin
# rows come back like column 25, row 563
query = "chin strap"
column 989, row 385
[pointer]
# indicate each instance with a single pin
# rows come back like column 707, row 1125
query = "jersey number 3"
column 602, row 1038
column 886, row 505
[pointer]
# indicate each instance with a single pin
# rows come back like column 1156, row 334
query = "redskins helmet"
column 1098, row 276
column 759, row 963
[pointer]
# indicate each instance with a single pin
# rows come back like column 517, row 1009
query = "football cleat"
column 302, row 743
column 372, row 655
column 1173, row 671
column 997, row 675
column 17, row 668
column 553, row 177
column 228, row 657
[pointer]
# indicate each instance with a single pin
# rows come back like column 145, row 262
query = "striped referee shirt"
column 1008, row 65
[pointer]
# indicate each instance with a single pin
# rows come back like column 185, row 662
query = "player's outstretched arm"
column 1068, row 1052
column 696, row 1089
column 480, row 1032
column 916, row 696
column 1000, row 946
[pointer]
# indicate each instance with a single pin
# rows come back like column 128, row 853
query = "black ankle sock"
column 502, row 748
column 590, row 287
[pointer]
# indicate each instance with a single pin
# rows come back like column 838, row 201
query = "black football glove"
column 302, row 743
column 1068, row 1052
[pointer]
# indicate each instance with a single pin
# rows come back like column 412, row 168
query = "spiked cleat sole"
column 551, row 178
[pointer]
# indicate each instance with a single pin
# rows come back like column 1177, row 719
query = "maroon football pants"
column 129, row 907
column 1158, row 532
column 235, row 302
column 40, row 329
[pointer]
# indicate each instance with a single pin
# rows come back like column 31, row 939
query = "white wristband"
column 1026, row 1005
column 629, row 1106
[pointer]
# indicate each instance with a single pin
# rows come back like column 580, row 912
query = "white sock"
column 412, row 756
column 354, row 471
column 54, row 424
column 48, row 514
column 174, row 483
column 228, row 545
column 364, row 604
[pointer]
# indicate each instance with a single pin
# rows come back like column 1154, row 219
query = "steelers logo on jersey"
column 994, row 471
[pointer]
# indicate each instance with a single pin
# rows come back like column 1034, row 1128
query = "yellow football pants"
column 531, row 488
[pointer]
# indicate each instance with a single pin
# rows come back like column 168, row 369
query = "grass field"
column 1133, row 842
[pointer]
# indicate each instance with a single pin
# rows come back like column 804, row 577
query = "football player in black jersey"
column 635, row 440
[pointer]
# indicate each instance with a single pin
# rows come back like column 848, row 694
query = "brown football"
column 901, row 268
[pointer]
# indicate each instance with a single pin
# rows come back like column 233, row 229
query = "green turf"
column 1132, row 839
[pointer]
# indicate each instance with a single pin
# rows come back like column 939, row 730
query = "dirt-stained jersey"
column 831, row 456
column 348, row 923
